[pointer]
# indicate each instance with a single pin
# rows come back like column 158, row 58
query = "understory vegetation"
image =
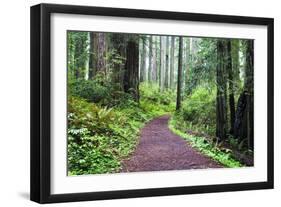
column 195, row 123
column 198, row 111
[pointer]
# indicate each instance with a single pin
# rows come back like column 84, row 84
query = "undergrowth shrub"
column 99, row 90
column 199, row 110
column 98, row 137
column 154, row 101
column 90, row 90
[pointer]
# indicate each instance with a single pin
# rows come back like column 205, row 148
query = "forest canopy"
column 118, row 82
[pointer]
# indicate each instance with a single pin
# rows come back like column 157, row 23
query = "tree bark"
column 131, row 78
column 230, row 85
column 92, row 55
column 150, row 59
column 154, row 60
column 166, row 83
column 143, row 61
column 172, row 62
column 158, row 58
column 179, row 87
column 101, row 64
column 187, row 63
column 244, row 120
column 221, row 125
column 249, row 88
column 235, row 60
column 162, row 63
column 119, row 45
column 240, row 124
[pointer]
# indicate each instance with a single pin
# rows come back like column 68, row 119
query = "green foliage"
column 77, row 52
column 203, row 64
column 90, row 155
column 209, row 148
column 154, row 101
column 88, row 89
column 114, row 59
column 98, row 137
column 99, row 90
column 199, row 110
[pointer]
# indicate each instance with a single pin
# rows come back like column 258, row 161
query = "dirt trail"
column 160, row 149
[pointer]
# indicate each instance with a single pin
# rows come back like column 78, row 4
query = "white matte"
column 60, row 183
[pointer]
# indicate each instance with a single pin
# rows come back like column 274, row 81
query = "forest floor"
column 161, row 149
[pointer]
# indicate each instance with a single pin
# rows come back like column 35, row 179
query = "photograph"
column 129, row 103
column 149, row 102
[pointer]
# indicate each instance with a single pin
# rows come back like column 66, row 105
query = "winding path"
column 160, row 149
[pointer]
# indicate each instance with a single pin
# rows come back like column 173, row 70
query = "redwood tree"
column 101, row 50
column 230, row 84
column 172, row 62
column 221, row 120
column 131, row 73
column 166, row 79
column 179, row 87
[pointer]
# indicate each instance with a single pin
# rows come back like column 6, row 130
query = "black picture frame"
column 41, row 97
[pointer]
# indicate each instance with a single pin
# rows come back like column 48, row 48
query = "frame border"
column 40, row 100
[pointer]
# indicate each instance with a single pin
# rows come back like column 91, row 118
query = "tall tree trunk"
column 78, row 51
column 221, row 125
column 167, row 63
column 230, row 84
column 172, row 62
column 119, row 45
column 70, row 53
column 191, row 59
column 101, row 64
column 235, row 45
column 240, row 124
column 150, row 59
column 131, row 78
column 249, row 88
column 154, row 60
column 244, row 121
column 92, row 55
column 158, row 59
column 184, row 64
column 143, row 61
column 187, row 63
column 178, row 106
column 162, row 63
